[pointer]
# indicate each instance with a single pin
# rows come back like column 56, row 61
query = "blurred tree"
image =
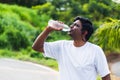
column 16, row 39
column 6, row 1
column 107, row 36
column 115, row 10
column 97, row 10
column 46, row 8
column 106, row 2
column 27, row 3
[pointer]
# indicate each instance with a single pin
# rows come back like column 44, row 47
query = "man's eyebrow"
column 74, row 23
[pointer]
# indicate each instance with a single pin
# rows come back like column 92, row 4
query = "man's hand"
column 107, row 77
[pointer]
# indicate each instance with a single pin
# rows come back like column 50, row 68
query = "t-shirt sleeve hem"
column 44, row 54
column 104, row 74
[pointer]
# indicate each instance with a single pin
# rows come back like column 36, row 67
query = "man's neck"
column 79, row 43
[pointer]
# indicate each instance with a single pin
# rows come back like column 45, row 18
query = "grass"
column 26, row 56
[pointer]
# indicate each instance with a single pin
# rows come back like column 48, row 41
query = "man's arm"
column 39, row 42
column 107, row 77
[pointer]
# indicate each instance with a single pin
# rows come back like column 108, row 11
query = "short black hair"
column 86, row 26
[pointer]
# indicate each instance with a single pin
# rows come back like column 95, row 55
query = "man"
column 78, row 59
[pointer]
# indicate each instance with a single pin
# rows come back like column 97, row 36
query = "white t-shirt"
column 77, row 63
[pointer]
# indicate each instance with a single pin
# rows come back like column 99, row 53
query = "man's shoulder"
column 95, row 46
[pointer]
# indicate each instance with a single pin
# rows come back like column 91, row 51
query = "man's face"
column 75, row 31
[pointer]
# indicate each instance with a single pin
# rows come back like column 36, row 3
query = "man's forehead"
column 78, row 22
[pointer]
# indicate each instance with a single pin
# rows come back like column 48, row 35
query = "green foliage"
column 97, row 10
column 21, row 26
column 115, row 11
column 50, row 62
column 60, row 4
column 16, row 39
column 99, row 78
column 35, row 54
column 3, row 41
column 1, row 29
column 27, row 3
column 7, row 53
column 107, row 36
column 46, row 8
column 15, row 31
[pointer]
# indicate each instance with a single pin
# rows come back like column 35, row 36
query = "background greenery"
column 21, row 21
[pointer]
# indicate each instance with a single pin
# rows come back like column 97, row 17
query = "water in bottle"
column 53, row 23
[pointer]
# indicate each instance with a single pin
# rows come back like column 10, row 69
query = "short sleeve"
column 101, row 63
column 52, row 49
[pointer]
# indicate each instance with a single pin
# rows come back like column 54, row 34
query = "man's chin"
column 69, row 33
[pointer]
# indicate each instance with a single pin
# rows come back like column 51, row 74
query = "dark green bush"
column 34, row 54
column 1, row 29
column 17, row 40
column 3, row 42
column 17, row 26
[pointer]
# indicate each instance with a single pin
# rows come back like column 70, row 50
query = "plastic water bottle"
column 53, row 23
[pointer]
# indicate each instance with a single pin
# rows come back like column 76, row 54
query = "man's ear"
column 85, row 32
